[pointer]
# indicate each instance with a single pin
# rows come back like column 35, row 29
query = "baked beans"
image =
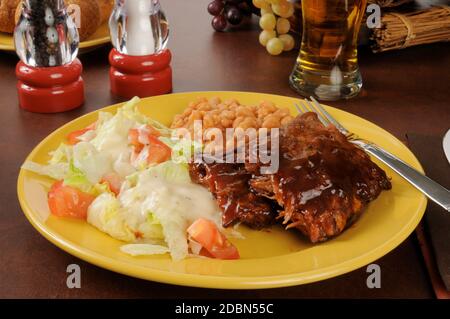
column 215, row 113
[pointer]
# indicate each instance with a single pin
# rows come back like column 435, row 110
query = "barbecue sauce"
column 229, row 184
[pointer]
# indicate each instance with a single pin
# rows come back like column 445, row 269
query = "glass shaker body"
column 46, row 35
column 138, row 27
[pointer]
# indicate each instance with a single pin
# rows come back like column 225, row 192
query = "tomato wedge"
column 114, row 182
column 67, row 201
column 139, row 137
column 206, row 233
column 73, row 138
column 158, row 151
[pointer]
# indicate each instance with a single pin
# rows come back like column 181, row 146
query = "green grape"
column 267, row 21
column 265, row 36
column 274, row 46
column 261, row 4
column 284, row 9
column 266, row 10
column 288, row 42
column 283, row 25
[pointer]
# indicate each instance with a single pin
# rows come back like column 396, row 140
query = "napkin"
column 434, row 232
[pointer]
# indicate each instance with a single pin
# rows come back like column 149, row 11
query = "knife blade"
column 446, row 145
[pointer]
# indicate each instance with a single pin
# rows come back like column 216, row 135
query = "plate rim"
column 210, row 281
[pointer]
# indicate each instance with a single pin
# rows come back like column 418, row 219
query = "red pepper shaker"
column 49, row 74
column 140, row 61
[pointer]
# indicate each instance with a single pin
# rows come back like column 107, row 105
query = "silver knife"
column 446, row 145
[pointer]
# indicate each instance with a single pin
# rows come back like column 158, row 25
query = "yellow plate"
column 100, row 37
column 274, row 258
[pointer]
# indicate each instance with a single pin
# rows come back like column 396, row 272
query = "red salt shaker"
column 141, row 76
column 140, row 62
column 49, row 74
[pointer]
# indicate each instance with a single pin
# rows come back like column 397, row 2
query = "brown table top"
column 404, row 91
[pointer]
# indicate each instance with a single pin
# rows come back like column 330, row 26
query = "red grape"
column 215, row 8
column 219, row 23
column 234, row 15
column 245, row 8
column 230, row 12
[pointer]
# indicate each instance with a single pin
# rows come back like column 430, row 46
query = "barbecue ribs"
column 229, row 185
column 323, row 184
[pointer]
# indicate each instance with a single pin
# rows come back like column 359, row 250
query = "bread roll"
column 106, row 7
column 7, row 9
column 18, row 12
column 90, row 17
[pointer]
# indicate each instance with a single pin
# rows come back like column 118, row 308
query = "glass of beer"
column 327, row 66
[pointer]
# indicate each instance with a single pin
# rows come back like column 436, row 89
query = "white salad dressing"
column 87, row 158
column 113, row 143
column 173, row 205
column 122, row 165
column 111, row 140
column 191, row 201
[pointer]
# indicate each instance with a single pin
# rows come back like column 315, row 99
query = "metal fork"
column 437, row 193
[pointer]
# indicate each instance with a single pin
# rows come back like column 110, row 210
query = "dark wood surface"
column 404, row 91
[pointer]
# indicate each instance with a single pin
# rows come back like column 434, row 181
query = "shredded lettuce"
column 164, row 130
column 151, row 230
column 183, row 150
column 76, row 178
column 152, row 219
column 57, row 167
column 130, row 111
column 122, row 165
column 63, row 154
column 104, row 214
column 171, row 172
column 91, row 162
column 56, row 171
column 147, row 194
column 88, row 136
column 104, row 149
column 144, row 249
column 112, row 136
column 174, row 226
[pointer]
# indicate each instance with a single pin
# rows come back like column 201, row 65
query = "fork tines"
column 313, row 106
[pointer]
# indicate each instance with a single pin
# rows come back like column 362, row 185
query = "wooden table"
column 404, row 91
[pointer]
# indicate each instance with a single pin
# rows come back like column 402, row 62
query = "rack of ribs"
column 323, row 184
column 229, row 185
